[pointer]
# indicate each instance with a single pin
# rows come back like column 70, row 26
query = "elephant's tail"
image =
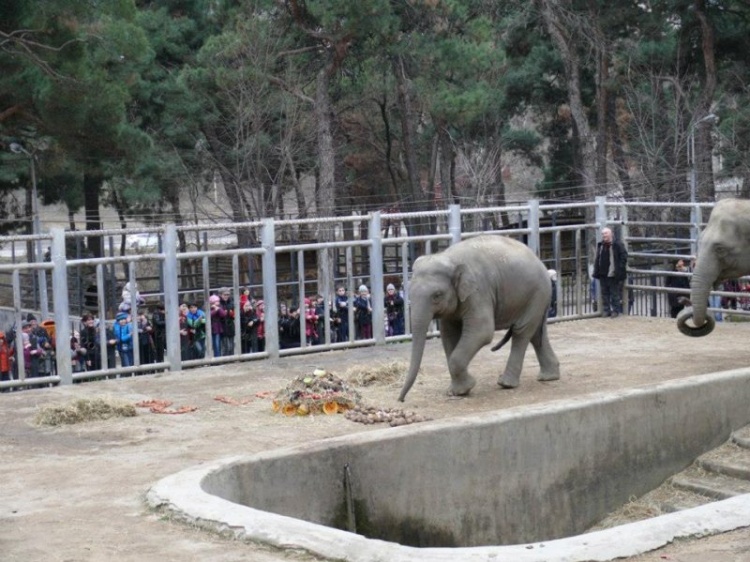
column 502, row 342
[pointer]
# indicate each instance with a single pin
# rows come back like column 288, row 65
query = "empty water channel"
column 519, row 484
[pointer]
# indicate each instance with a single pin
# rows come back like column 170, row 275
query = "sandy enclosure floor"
column 76, row 493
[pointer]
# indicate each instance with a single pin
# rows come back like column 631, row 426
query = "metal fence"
column 373, row 249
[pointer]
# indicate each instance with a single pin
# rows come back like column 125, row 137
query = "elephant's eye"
column 437, row 295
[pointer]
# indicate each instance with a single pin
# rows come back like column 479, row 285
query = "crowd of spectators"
column 118, row 351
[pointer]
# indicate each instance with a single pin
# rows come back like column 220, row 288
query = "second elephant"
column 723, row 253
column 474, row 288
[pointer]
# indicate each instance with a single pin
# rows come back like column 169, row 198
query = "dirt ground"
column 76, row 493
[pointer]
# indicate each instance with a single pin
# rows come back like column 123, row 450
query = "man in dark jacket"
column 610, row 267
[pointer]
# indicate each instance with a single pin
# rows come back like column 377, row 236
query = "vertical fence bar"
column 376, row 278
column 112, row 278
column 101, row 315
column 160, row 249
column 62, row 306
column 134, row 313
column 601, row 222
column 270, row 297
column 210, row 351
column 350, row 291
column 301, row 298
column 42, row 276
column 405, row 287
column 556, row 250
column 533, row 224
column 624, row 237
column 454, row 223
column 695, row 230
column 326, row 292
column 18, row 324
column 236, row 303
column 172, row 298
column 600, row 214
column 579, row 267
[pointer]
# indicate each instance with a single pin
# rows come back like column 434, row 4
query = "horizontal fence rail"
column 288, row 266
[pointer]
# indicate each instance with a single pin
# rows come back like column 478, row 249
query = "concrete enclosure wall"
column 527, row 474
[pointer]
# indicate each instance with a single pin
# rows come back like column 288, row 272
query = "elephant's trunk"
column 418, row 339
column 704, row 277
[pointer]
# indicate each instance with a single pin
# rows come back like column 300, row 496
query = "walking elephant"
column 475, row 287
column 723, row 253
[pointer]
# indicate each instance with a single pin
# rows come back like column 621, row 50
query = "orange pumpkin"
column 330, row 408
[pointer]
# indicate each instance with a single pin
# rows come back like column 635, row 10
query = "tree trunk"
column 446, row 162
column 564, row 39
column 496, row 192
column 413, row 198
column 602, row 101
column 618, row 153
column 91, row 187
column 705, row 187
column 326, row 183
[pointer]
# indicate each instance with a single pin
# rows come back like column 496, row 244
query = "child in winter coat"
column 363, row 313
column 341, row 320
column 218, row 314
column 123, row 330
column 196, row 325
column 394, row 311
column 6, row 361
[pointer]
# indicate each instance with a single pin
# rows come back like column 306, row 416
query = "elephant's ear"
column 464, row 281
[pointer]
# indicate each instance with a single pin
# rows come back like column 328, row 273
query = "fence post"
column 454, row 223
column 627, row 293
column 270, row 298
column 533, row 225
column 696, row 219
column 171, row 298
column 62, row 306
column 376, row 278
column 18, row 322
column 601, row 215
column 236, row 291
column 134, row 313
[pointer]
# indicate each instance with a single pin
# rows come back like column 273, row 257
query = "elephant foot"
column 548, row 376
column 507, row 382
column 462, row 387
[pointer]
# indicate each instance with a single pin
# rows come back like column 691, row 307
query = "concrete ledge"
column 646, row 434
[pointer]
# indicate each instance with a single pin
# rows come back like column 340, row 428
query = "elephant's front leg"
column 460, row 348
column 513, row 367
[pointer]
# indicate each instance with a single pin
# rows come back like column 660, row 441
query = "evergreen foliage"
column 144, row 105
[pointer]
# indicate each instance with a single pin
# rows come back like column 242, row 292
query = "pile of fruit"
column 319, row 392
column 392, row 416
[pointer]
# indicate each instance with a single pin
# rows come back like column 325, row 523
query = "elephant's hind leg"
column 510, row 378
column 549, row 365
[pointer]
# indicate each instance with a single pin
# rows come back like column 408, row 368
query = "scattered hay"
column 83, row 410
column 383, row 374
column 318, row 393
column 652, row 504
column 637, row 509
